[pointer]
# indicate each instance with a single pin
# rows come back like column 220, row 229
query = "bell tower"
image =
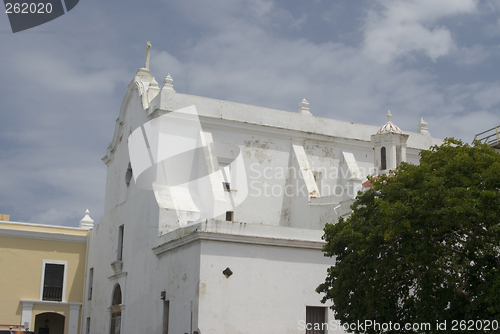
column 390, row 146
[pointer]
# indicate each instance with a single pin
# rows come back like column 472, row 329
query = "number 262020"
column 28, row 8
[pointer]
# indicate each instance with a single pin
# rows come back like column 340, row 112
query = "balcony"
column 52, row 293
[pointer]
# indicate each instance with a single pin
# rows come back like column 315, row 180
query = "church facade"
column 214, row 212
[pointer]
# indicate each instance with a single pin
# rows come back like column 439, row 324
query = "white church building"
column 214, row 212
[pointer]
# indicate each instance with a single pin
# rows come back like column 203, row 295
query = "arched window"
column 116, row 311
column 383, row 159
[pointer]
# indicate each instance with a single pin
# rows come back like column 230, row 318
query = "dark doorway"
column 116, row 311
column 49, row 323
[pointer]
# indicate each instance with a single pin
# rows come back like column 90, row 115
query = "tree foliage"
column 422, row 245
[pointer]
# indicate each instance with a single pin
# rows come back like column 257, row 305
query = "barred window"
column 315, row 320
column 53, row 282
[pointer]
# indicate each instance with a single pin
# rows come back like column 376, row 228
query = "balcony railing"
column 52, row 293
column 490, row 137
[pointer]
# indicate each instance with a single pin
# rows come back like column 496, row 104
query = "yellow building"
column 42, row 276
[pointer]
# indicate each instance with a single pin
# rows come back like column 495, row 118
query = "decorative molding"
column 167, row 84
column 117, row 266
column 422, row 127
column 304, row 108
column 274, row 131
column 152, row 92
column 117, row 276
column 118, row 131
column 132, row 86
column 234, row 238
column 140, row 83
column 86, row 223
column 28, row 302
column 49, row 236
column 75, row 306
column 41, row 225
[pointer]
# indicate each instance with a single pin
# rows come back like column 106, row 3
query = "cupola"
column 390, row 146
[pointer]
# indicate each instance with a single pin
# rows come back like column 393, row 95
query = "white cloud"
column 163, row 63
column 471, row 123
column 60, row 103
column 403, row 27
column 57, row 217
column 489, row 96
column 66, row 178
column 49, row 71
column 473, row 55
column 59, row 109
column 252, row 65
column 260, row 8
column 493, row 29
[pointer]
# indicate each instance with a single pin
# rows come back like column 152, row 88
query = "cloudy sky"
column 62, row 83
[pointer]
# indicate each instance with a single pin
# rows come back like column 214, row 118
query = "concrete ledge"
column 223, row 231
column 49, row 302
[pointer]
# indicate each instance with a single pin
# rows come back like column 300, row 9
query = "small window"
column 128, row 174
column 53, row 281
column 383, row 159
column 318, row 178
column 91, row 279
column 315, row 320
column 225, row 168
column 229, row 216
column 398, row 156
column 88, row 326
column 120, row 242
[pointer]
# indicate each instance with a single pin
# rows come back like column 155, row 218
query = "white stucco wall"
column 144, row 275
column 267, row 293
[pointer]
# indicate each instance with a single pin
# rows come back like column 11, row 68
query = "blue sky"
column 62, row 83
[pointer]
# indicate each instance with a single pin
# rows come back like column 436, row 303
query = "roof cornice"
column 27, row 234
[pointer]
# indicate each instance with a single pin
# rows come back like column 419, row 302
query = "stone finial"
column 168, row 83
column 86, row 223
column 153, row 83
column 148, row 49
column 422, row 127
column 389, row 116
column 153, row 90
column 304, row 107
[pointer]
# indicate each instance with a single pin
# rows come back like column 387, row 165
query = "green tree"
column 422, row 245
